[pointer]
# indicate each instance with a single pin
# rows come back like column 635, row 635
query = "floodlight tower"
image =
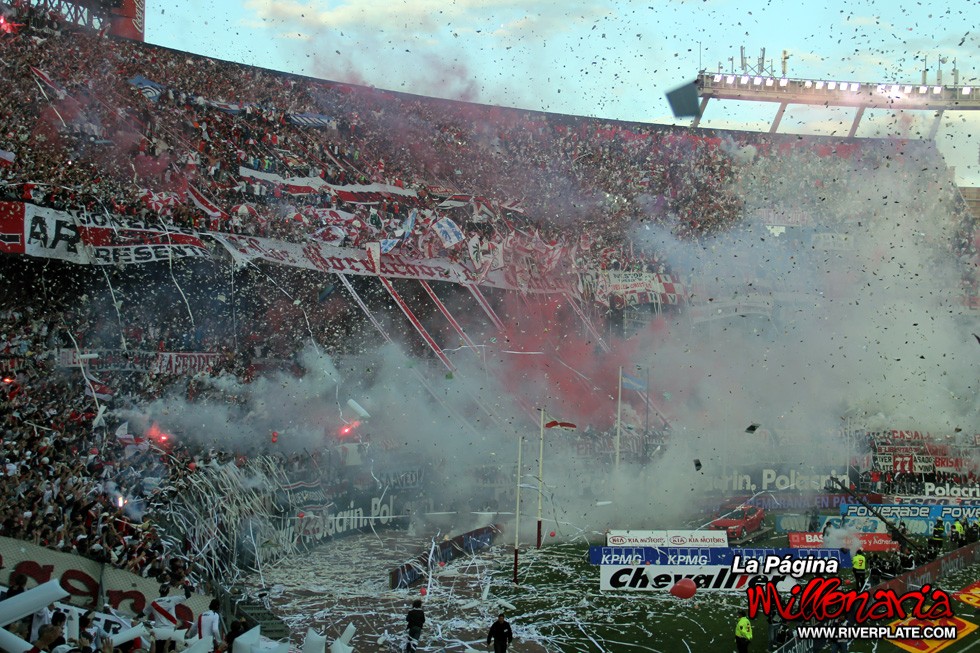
column 123, row 18
column 762, row 85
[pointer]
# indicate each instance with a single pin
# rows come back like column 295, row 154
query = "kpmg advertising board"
column 678, row 556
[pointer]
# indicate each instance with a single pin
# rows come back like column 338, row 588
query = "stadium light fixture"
column 770, row 81
column 730, row 79
column 717, row 79
column 831, row 86
column 908, row 89
column 936, row 90
column 819, row 86
column 757, row 81
column 745, row 79
column 784, row 82
column 966, row 90
column 895, row 88
column 808, row 84
column 855, row 87
column 923, row 89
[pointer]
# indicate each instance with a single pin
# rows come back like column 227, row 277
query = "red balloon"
column 301, row 515
column 423, row 591
column 551, row 534
column 442, row 563
column 192, row 466
column 684, row 588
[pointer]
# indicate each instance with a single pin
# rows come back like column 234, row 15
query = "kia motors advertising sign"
column 667, row 538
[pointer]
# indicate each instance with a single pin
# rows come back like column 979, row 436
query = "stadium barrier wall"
column 90, row 584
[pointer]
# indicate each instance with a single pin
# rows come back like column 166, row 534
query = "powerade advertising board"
column 909, row 511
column 680, row 556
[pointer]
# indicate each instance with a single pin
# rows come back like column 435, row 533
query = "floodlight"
column 895, row 88
column 769, row 81
column 745, row 79
column 784, row 82
column 757, row 81
column 936, row 90
column 819, row 86
column 831, row 86
column 966, row 90
column 923, row 89
column 908, row 89
column 855, row 86
column 730, row 79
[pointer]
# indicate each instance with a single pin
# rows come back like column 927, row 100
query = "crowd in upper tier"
column 103, row 124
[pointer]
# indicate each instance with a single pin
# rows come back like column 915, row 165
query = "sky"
column 600, row 58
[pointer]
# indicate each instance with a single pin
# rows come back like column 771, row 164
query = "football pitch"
column 558, row 606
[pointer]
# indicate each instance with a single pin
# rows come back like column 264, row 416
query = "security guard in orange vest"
column 743, row 633
column 859, row 565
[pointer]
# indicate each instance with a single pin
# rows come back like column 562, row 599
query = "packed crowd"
column 73, row 481
column 81, row 136
column 65, row 481
column 105, row 124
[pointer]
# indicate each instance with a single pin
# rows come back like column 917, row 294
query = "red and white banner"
column 922, row 464
column 154, row 362
column 948, row 464
column 203, row 203
column 11, row 363
column 394, row 265
column 351, row 193
column 865, row 541
column 91, row 239
column 632, row 288
column 908, row 463
column 907, row 435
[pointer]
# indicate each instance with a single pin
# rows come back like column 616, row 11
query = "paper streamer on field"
column 342, row 645
column 314, row 642
column 30, row 602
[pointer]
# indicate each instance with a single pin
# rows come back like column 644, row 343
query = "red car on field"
column 740, row 522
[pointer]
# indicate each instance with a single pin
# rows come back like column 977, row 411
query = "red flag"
column 50, row 83
column 203, row 203
column 555, row 424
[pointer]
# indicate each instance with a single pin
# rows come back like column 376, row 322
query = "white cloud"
column 413, row 17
